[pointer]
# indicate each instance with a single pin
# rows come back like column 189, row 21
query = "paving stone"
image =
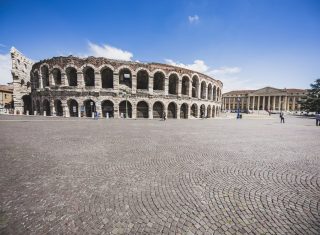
column 71, row 176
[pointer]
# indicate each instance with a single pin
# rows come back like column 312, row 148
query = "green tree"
column 311, row 102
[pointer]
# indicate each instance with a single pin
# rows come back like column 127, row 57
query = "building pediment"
column 267, row 90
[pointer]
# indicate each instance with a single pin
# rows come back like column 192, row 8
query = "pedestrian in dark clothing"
column 281, row 117
column 318, row 119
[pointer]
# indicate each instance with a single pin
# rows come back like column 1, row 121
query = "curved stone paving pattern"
column 183, row 177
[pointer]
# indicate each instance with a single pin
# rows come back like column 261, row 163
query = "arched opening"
column 56, row 76
column 125, row 77
column 173, row 84
column 194, row 110
column 209, row 92
column 202, row 111
column 209, row 111
column 27, row 104
column 203, row 90
column 142, row 80
column 107, row 108
column 46, row 107
column 142, row 110
column 172, row 110
column 107, row 78
column 184, row 111
column 89, row 107
column 185, row 86
column 214, row 93
column 218, row 94
column 195, row 87
column 158, row 81
column 213, row 111
column 45, row 76
column 36, row 81
column 157, row 110
column 72, row 76
column 73, row 108
column 88, row 76
column 38, row 109
column 58, row 107
column 125, row 108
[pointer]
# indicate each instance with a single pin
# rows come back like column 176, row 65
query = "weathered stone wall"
column 21, row 67
column 46, row 91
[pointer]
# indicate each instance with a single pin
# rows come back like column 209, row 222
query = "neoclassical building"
column 264, row 99
column 78, row 87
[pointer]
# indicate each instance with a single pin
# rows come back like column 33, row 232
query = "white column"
column 166, row 86
column 268, row 103
column 229, row 99
column 274, row 103
column 258, row 103
column 263, row 102
column 179, row 87
column 150, row 85
column 294, row 104
column 253, row 102
column 279, row 104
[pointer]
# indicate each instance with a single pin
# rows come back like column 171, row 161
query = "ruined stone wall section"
column 21, row 67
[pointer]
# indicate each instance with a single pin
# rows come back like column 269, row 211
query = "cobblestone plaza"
column 80, row 176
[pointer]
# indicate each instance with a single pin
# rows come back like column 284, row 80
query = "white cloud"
column 193, row 19
column 226, row 70
column 198, row 65
column 5, row 68
column 110, row 52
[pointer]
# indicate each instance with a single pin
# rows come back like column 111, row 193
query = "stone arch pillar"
column 80, row 80
column 166, row 86
column 178, row 106
column 150, row 110
column 116, row 82
column 179, row 87
column 134, row 84
column 97, row 80
column 65, row 109
column 150, row 88
column 98, row 108
column 134, row 109
column 64, row 81
column 190, row 89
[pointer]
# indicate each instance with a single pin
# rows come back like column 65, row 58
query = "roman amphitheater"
column 79, row 87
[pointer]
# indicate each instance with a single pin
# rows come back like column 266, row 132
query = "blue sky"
column 247, row 44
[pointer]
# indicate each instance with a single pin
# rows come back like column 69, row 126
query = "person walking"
column 281, row 117
column 164, row 115
column 318, row 119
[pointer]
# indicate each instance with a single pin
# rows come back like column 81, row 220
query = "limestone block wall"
column 70, row 86
column 21, row 67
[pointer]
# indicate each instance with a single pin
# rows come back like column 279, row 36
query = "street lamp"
column 238, row 100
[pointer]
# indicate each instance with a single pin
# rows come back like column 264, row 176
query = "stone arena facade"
column 78, row 87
